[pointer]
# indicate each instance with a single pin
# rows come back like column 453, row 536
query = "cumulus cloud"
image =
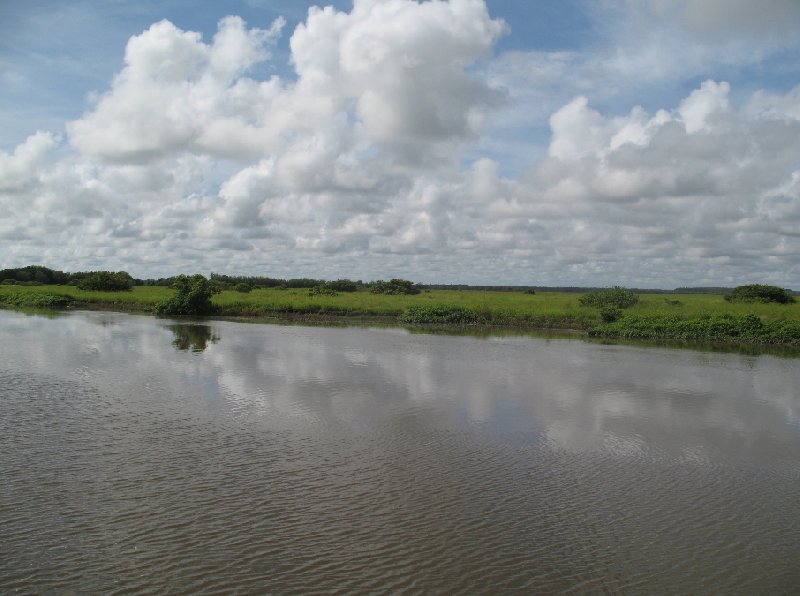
column 356, row 166
column 172, row 87
column 22, row 168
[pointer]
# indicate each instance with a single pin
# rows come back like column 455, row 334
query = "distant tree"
column 395, row 286
column 342, row 285
column 36, row 273
column 193, row 297
column 760, row 293
column 106, row 281
column 322, row 290
column 616, row 297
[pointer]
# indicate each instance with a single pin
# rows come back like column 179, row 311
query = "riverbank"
column 685, row 318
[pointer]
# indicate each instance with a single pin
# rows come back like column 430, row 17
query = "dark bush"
column 395, row 286
column 609, row 314
column 342, row 285
column 322, row 291
column 760, row 293
column 106, row 281
column 244, row 288
column 616, row 297
column 193, row 297
column 439, row 315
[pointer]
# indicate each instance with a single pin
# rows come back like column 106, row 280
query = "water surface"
column 142, row 455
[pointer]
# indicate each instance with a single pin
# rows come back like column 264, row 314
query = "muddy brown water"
column 141, row 455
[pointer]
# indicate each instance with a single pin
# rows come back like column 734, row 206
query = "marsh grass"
column 653, row 316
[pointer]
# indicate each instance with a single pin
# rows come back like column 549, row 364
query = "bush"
column 395, row 286
column 760, row 293
column 609, row 314
column 322, row 291
column 530, row 291
column 616, row 297
column 106, row 281
column 742, row 329
column 244, row 288
column 439, row 315
column 342, row 285
column 193, row 297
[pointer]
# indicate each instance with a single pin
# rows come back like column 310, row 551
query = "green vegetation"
column 106, row 281
column 610, row 302
column 760, row 293
column 34, row 273
column 695, row 317
column 193, row 298
column 616, row 297
column 721, row 328
column 28, row 299
column 439, row 315
column 322, row 290
column 395, row 286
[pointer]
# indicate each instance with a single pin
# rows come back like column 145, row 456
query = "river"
column 143, row 455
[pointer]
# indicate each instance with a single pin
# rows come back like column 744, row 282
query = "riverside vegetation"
column 617, row 313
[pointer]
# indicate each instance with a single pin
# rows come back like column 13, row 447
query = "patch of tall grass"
column 723, row 328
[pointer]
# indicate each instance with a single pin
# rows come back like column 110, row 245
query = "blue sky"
column 646, row 143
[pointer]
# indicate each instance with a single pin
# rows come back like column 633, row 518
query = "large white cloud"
column 357, row 168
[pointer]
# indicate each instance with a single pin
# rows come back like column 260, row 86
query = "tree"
column 760, row 293
column 193, row 297
column 342, row 285
column 616, row 297
column 106, row 281
column 395, row 286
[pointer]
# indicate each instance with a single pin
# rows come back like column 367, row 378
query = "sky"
column 645, row 143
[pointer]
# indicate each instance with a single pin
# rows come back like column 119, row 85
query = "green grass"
column 139, row 299
column 695, row 317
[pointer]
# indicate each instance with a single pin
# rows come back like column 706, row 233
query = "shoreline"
column 481, row 330
column 706, row 323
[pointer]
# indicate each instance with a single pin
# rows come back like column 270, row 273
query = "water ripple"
column 314, row 487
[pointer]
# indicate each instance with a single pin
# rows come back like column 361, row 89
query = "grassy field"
column 692, row 317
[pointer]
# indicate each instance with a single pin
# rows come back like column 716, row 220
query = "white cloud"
column 704, row 104
column 172, row 88
column 21, row 169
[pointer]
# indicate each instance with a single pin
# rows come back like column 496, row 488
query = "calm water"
column 145, row 455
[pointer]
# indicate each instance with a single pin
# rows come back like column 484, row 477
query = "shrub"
column 616, row 297
column 530, row 291
column 193, row 297
column 106, row 281
column 322, row 291
column 760, row 293
column 747, row 329
column 395, row 286
column 342, row 285
column 609, row 314
column 244, row 288
column 439, row 315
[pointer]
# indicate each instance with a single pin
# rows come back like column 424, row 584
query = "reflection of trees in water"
column 192, row 336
